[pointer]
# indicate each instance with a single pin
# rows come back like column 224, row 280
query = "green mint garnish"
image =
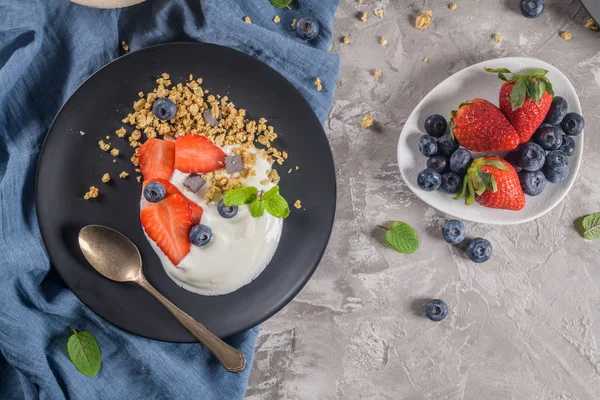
column 281, row 3
column 402, row 237
column 84, row 352
column 590, row 226
column 270, row 201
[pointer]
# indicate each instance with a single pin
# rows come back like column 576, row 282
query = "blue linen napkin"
column 47, row 49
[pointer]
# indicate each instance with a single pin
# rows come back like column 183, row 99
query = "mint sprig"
column 270, row 201
column 402, row 237
column 281, row 3
column 84, row 352
column 590, row 226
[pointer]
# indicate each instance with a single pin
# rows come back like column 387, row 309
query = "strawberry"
column 170, row 189
column 157, row 159
column 168, row 223
column 525, row 99
column 494, row 183
column 479, row 125
column 197, row 154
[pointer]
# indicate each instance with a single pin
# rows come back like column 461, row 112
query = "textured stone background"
column 522, row 326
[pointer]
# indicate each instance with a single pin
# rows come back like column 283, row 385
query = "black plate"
column 70, row 164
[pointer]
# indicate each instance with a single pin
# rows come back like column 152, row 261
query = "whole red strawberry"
column 479, row 125
column 494, row 183
column 525, row 99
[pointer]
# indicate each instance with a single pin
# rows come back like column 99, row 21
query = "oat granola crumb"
column 290, row 171
column 378, row 13
column 383, row 41
column 138, row 170
column 497, row 38
column 318, row 84
column 276, row 19
column 81, row 133
column 426, row 59
column 120, row 132
column 105, row 178
column 346, row 40
column 247, row 20
column 297, row 168
column 104, row 146
column 125, row 46
column 293, row 22
column 139, row 179
column 452, row 6
column 114, row 152
column 273, row 176
column 363, row 16
column 566, row 35
column 114, row 161
column 367, row 121
column 359, row 1
column 123, row 175
column 265, row 182
column 298, row 204
column 591, row 24
column 92, row 193
column 424, row 20
column 377, row 73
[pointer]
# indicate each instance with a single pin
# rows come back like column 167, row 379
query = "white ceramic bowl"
column 107, row 3
column 470, row 83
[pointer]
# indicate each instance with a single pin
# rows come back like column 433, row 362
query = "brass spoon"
column 117, row 258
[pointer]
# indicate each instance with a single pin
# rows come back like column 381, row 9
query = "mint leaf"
column 84, row 352
column 257, row 208
column 277, row 206
column 590, row 225
column 402, row 237
column 238, row 197
column 280, row 3
column 274, row 191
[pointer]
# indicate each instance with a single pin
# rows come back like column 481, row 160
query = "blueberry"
column 429, row 180
column 531, row 156
column 568, row 145
column 533, row 183
column 447, row 145
column 436, row 310
column 154, row 192
column 428, row 145
column 479, row 250
column 460, row 161
column 557, row 111
column 436, row 125
column 200, row 235
column 572, row 124
column 557, row 167
column 454, row 231
column 438, row 163
column 226, row 211
column 556, row 176
column 164, row 109
column 531, row 8
column 548, row 137
column 451, row 182
column 307, row 28
column 512, row 159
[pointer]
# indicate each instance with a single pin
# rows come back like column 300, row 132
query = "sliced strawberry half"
column 197, row 154
column 168, row 223
column 157, row 159
column 170, row 189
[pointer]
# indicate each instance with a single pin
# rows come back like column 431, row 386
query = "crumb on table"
column 452, row 6
column 81, row 133
column 367, row 121
column 426, row 59
column 114, row 152
column 377, row 73
column 383, row 41
column 247, row 20
column 104, row 146
column 293, row 22
column 497, row 38
column 123, row 175
column 276, row 19
column 566, row 35
column 363, row 16
column 378, row 13
column 121, row 132
column 105, row 178
column 424, row 20
column 297, row 168
column 124, row 45
column 92, row 193
column 114, row 161
column 139, row 179
column 591, row 24
column 359, row 1
column 298, row 204
column 318, row 84
column 346, row 40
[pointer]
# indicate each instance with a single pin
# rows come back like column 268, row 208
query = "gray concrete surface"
column 525, row 325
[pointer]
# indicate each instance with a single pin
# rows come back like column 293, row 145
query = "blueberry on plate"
column 429, row 180
column 568, row 145
column 512, row 159
column 307, row 28
column 428, row 145
column 436, row 125
column 531, row 156
column 154, row 192
column 460, row 161
column 226, row 211
column 438, row 163
column 447, row 145
column 479, row 250
column 557, row 167
column 454, row 231
column 572, row 124
column 200, row 235
column 548, row 137
column 451, row 182
column 436, row 310
column 556, row 176
column 533, row 183
column 557, row 111
column 164, row 109
column 531, row 8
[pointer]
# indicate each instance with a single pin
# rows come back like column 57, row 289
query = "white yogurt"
column 240, row 249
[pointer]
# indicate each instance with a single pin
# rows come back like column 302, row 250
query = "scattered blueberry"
column 548, row 137
column 154, row 192
column 438, row 163
column 451, row 182
column 557, row 111
column 164, row 109
column 307, row 28
column 454, row 231
column 568, row 145
column 208, row 118
column 200, row 235
column 447, row 145
column 226, row 211
column 572, row 124
column 513, row 159
column 428, row 145
column 436, row 125
column 479, row 250
column 234, row 163
column 557, row 166
column 531, row 156
column 429, row 180
column 193, row 182
column 531, row 8
column 460, row 161
column 436, row 310
column 533, row 183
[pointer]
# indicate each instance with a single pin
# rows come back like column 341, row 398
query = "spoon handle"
column 232, row 359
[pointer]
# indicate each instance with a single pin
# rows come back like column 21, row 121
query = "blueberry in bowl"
column 548, row 137
column 438, row 163
column 532, row 183
column 447, row 145
column 451, row 182
column 572, row 124
column 568, row 145
column 428, row 145
column 429, row 180
column 436, row 125
column 460, row 161
column 557, row 111
column 531, row 156
column 557, row 166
